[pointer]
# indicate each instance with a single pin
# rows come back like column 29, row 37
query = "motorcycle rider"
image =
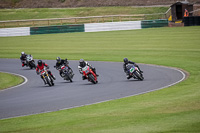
column 40, row 66
column 126, row 62
column 63, row 62
column 23, row 58
column 82, row 64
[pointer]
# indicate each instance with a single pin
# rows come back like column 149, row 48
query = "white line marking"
column 25, row 81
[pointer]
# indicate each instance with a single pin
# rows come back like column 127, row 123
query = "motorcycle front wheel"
column 139, row 75
column 91, row 78
column 48, row 81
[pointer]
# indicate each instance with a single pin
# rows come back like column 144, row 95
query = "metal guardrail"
column 79, row 20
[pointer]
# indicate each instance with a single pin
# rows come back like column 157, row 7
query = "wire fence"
column 81, row 20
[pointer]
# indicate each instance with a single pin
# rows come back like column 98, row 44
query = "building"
column 178, row 9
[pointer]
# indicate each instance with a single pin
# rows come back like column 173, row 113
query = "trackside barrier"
column 154, row 23
column 91, row 27
column 57, row 29
column 21, row 31
column 111, row 26
column 192, row 21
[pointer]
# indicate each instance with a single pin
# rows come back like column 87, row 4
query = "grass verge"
column 174, row 109
column 44, row 13
column 9, row 80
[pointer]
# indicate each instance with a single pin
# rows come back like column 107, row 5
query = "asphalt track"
column 34, row 97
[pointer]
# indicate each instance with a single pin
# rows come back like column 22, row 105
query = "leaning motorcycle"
column 89, row 74
column 47, row 78
column 65, row 73
column 134, row 72
column 30, row 62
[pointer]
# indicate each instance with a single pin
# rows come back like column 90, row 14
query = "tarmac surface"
column 34, row 97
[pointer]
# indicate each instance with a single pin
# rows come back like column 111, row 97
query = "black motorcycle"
column 135, row 72
column 65, row 73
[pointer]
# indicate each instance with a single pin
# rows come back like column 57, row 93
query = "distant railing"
column 195, row 12
column 80, row 20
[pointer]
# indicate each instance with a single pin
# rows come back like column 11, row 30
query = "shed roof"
column 182, row 2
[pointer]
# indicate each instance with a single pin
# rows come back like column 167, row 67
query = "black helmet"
column 125, row 60
column 40, row 62
column 82, row 63
column 58, row 59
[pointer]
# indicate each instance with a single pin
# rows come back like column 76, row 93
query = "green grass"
column 44, row 13
column 9, row 80
column 173, row 109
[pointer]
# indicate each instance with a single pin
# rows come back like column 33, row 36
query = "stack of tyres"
column 196, row 20
column 186, row 21
column 191, row 21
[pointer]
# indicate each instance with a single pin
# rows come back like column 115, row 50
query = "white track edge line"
column 24, row 82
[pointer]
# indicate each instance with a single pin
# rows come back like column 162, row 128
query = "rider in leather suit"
column 62, row 62
column 126, row 62
column 40, row 66
column 82, row 64
column 23, row 58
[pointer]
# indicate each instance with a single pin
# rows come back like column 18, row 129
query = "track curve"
column 34, row 97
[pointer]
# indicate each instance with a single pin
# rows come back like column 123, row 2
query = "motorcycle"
column 46, row 77
column 66, row 73
column 89, row 74
column 135, row 72
column 30, row 62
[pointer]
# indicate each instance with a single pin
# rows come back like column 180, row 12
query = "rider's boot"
column 128, row 76
column 83, row 77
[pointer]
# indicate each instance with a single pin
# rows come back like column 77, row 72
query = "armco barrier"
column 154, row 23
column 57, row 29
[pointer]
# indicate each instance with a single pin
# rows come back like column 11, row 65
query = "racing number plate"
column 132, row 70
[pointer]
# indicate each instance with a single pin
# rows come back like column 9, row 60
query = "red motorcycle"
column 89, row 74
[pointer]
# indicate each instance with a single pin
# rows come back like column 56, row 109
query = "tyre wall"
column 154, row 23
column 112, row 26
column 91, row 27
column 21, row 31
column 57, row 29
column 192, row 21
